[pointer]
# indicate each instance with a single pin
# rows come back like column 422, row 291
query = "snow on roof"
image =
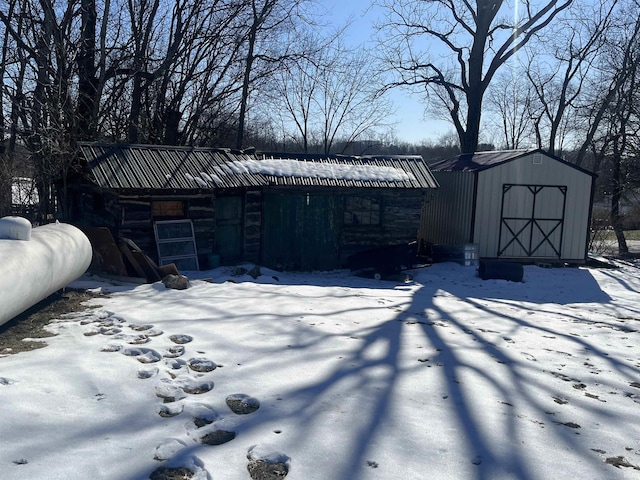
column 333, row 171
column 162, row 167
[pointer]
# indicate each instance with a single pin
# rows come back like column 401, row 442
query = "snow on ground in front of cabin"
column 447, row 376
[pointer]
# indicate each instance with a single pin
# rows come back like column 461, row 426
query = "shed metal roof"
column 473, row 162
column 147, row 167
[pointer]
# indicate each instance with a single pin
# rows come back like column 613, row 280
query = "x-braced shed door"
column 532, row 221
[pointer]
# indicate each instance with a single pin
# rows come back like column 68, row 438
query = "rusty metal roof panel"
column 146, row 167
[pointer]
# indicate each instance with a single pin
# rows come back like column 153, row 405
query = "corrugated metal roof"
column 146, row 167
column 472, row 162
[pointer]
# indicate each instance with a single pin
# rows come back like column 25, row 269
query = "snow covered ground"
column 444, row 377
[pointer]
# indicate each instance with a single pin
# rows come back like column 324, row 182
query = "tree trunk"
column 87, row 88
column 245, row 86
column 616, row 218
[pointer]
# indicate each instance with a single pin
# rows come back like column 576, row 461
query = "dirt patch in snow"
column 30, row 324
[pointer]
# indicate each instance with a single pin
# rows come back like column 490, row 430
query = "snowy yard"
column 444, row 377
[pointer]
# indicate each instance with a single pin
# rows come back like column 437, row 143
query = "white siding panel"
column 524, row 172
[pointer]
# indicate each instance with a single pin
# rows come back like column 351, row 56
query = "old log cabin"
column 200, row 207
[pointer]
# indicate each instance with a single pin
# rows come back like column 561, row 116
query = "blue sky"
column 412, row 125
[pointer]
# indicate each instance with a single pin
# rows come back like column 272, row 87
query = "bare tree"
column 272, row 39
column 44, row 106
column 418, row 39
column 332, row 100
column 560, row 66
column 614, row 143
column 509, row 103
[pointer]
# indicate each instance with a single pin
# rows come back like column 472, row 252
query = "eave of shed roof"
column 145, row 167
column 474, row 162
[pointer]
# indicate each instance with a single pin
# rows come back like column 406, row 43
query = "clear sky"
column 412, row 125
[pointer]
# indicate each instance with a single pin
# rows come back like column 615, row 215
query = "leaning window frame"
column 177, row 259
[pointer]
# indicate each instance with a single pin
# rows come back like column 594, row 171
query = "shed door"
column 228, row 234
column 532, row 221
column 300, row 232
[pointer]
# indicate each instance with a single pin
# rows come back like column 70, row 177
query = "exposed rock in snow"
column 266, row 463
column 201, row 365
column 180, row 339
column 218, row 437
column 143, row 355
column 242, row 404
column 177, row 282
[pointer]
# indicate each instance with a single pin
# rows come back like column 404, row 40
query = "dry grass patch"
column 30, row 324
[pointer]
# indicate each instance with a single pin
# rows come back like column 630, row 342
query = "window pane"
column 184, row 263
column 174, row 230
column 173, row 249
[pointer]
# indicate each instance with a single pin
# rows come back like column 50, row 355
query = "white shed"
column 522, row 205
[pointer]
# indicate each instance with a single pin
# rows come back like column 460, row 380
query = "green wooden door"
column 320, row 233
column 228, row 234
column 300, row 232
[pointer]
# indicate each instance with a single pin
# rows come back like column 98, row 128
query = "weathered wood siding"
column 252, row 225
column 130, row 216
column 325, row 237
column 400, row 221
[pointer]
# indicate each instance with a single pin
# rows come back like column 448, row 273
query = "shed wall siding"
column 523, row 171
column 399, row 223
column 252, row 225
column 447, row 213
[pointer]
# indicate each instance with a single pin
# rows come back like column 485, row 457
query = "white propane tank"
column 15, row 228
column 55, row 255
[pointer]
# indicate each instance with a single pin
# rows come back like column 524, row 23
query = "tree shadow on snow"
column 464, row 354
column 518, row 392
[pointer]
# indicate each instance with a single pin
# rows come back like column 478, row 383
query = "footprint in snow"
column 103, row 330
column 133, row 339
column 175, row 363
column 111, row 347
column 267, row 463
column 140, row 328
column 145, row 373
column 195, row 387
column 109, row 330
column 201, row 414
column 209, row 429
column 168, row 449
column 6, row 381
column 171, row 409
column 169, row 392
column 242, row 404
column 218, row 437
column 174, row 351
column 181, row 339
column 143, row 355
column 201, row 365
